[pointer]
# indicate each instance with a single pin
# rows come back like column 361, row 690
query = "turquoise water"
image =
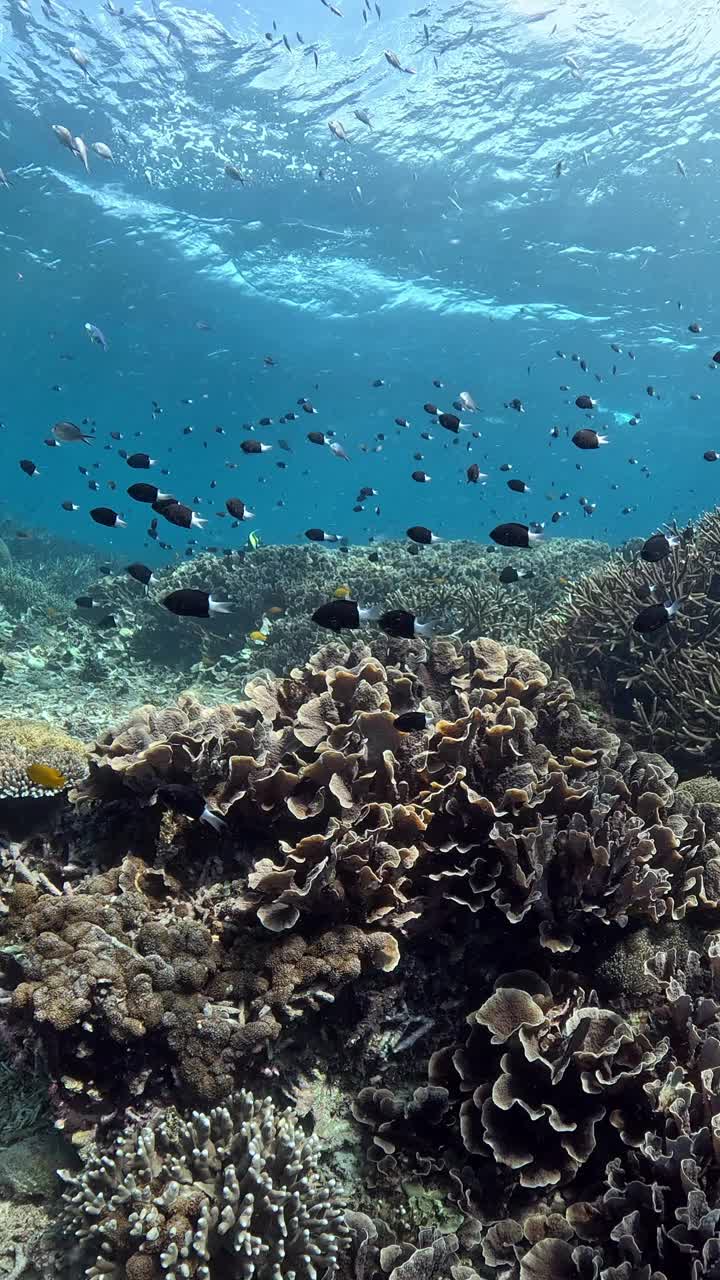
column 438, row 244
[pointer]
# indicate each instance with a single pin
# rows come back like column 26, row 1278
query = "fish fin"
column 213, row 820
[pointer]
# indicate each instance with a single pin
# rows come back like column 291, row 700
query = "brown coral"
column 512, row 797
column 124, row 967
column 558, row 1063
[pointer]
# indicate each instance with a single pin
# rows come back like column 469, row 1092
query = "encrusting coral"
column 239, row 1191
column 123, row 978
column 666, row 684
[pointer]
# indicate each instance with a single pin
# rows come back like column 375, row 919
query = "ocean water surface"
column 544, row 181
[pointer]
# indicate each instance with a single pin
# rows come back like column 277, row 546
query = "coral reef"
column 604, row 1136
column 666, row 684
column 125, row 979
column 61, row 666
column 703, row 790
column 239, row 1191
column 342, row 929
column 24, row 743
column 511, row 799
column 456, row 583
column 348, row 837
column 540, row 1071
column 377, row 1253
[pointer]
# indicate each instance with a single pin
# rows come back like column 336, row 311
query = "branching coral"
column 455, row 583
column 668, row 684
column 238, row 1191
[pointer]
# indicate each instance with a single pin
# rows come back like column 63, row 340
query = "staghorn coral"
column 123, row 980
column 667, row 685
column 27, row 742
column 236, row 1192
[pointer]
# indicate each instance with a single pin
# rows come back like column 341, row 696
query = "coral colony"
column 338, row 940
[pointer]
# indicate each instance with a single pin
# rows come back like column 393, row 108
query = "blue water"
column 439, row 244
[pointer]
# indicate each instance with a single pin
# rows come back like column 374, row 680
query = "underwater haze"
column 533, row 180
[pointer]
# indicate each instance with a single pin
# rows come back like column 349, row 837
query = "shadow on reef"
column 484, row 950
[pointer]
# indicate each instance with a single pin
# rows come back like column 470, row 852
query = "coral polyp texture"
column 123, row 979
column 665, row 684
column 28, row 743
column 237, row 1192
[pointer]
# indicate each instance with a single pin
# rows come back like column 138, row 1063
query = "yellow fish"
column 43, row 775
column 258, row 637
column 341, row 593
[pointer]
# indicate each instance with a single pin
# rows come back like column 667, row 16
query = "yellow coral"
column 24, row 743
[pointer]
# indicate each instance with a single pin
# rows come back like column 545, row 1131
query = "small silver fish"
column 681, row 168
column 82, row 151
column 362, row 116
column 80, row 59
column 65, row 136
column 3, row 180
column 338, row 130
column 102, row 150
column 96, row 336
column 69, row 433
column 232, row 171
